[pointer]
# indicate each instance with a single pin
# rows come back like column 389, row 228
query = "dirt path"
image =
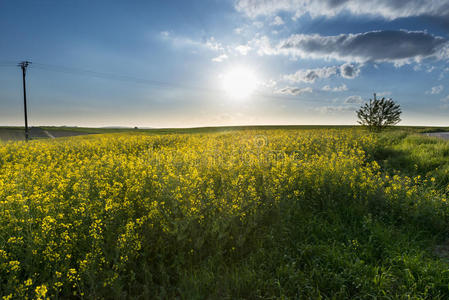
column 49, row 134
column 17, row 134
column 443, row 135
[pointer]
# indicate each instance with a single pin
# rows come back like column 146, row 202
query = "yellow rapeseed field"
column 129, row 215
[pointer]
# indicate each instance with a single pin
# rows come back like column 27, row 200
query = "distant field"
column 226, row 213
column 16, row 133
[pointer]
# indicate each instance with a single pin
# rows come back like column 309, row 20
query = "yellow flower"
column 14, row 265
column 41, row 291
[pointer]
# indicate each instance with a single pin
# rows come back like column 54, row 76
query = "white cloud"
column 238, row 30
column 310, row 75
column 388, row 9
column 243, row 49
column 269, row 84
column 293, row 91
column 333, row 109
column 254, row 8
column 445, row 99
column 277, row 21
column 384, row 94
column 340, row 88
column 354, row 100
column 435, row 90
column 417, row 67
column 165, row 34
column 258, row 24
column 430, row 69
column 347, row 70
column 212, row 44
column 263, row 46
column 220, row 58
column 181, row 41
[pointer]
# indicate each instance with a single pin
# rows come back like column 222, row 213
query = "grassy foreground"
column 255, row 214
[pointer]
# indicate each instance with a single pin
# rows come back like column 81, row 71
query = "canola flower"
column 89, row 216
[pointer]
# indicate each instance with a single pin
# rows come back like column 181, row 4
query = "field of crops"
column 255, row 214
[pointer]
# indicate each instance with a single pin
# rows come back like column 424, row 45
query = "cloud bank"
column 310, row 75
column 388, row 9
column 341, row 88
column 220, row 58
column 293, row 91
column 347, row 70
column 435, row 90
column 398, row 47
column 354, row 100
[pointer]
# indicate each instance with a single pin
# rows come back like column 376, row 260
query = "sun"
column 239, row 82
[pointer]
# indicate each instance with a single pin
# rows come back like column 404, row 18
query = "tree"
column 379, row 113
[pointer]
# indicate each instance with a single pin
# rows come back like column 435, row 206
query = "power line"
column 69, row 70
column 8, row 63
column 125, row 78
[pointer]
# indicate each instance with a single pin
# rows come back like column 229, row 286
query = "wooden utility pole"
column 24, row 66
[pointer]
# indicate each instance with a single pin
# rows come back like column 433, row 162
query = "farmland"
column 255, row 213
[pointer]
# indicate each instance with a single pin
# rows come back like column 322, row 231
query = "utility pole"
column 24, row 66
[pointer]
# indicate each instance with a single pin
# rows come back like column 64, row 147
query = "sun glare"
column 239, row 82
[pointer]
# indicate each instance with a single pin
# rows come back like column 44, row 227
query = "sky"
column 178, row 63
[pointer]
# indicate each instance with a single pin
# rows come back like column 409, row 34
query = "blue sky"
column 162, row 63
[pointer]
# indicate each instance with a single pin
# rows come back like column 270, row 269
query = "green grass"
column 414, row 154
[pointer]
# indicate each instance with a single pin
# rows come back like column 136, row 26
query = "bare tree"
column 379, row 113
